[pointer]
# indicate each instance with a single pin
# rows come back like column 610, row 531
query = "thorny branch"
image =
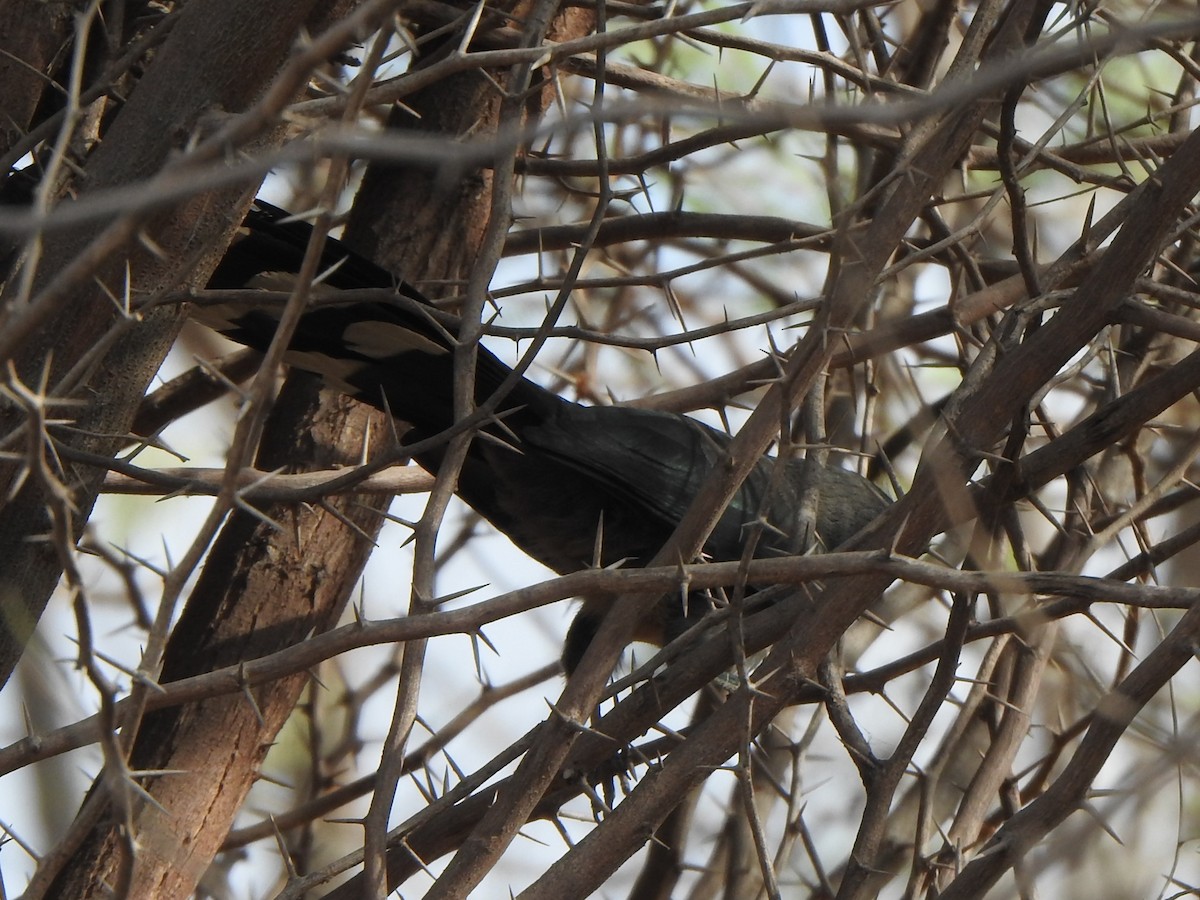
column 971, row 230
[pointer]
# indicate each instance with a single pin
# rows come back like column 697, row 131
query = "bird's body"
column 549, row 473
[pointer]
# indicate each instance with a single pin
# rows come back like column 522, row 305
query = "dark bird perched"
column 548, row 473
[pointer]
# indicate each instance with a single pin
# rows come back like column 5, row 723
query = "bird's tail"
column 395, row 353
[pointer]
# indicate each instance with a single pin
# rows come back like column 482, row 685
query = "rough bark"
column 216, row 58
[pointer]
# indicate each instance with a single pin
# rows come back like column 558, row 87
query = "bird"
column 573, row 486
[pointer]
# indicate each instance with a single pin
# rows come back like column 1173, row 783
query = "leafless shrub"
column 953, row 247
